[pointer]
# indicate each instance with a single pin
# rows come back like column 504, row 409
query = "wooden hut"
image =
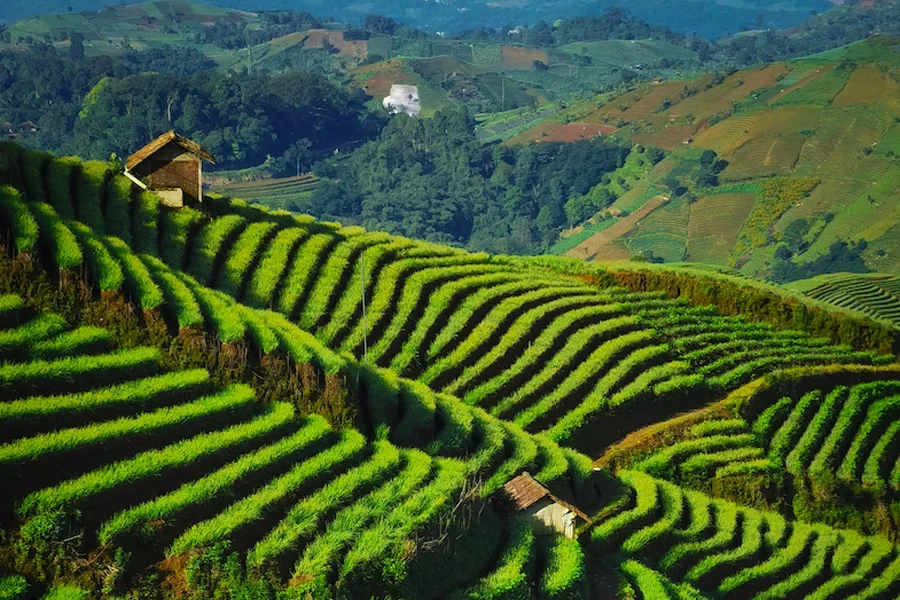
column 172, row 167
column 549, row 515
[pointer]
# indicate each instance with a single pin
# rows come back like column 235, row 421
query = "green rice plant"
column 851, row 416
column 389, row 300
column 409, row 299
column 782, row 559
column 62, row 242
column 554, row 461
column 22, row 226
column 881, row 586
column 665, row 462
column 148, row 391
column 879, row 551
column 417, row 510
column 581, row 467
column 323, row 292
column 88, row 196
column 140, row 281
column 300, row 345
column 700, row 467
column 34, row 164
column 523, row 455
column 301, row 521
column 246, row 249
column 596, row 400
column 83, row 340
column 598, row 361
column 260, row 333
column 218, row 310
column 66, row 440
column 243, row 512
column 547, row 337
column 564, row 572
column 879, row 415
column 105, row 268
column 815, row 567
column 348, row 307
column 455, row 422
column 176, row 228
column 650, row 583
column 298, row 277
column 321, row 556
column 647, row 505
column 746, row 553
column 726, row 529
column 40, row 328
column 550, row 366
column 103, row 215
column 207, row 246
column 645, row 382
column 65, row 592
column 719, row 427
column 801, row 456
column 264, row 280
column 178, row 296
column 11, row 307
column 460, row 321
column 40, row 376
column 61, row 172
column 173, row 504
column 672, row 500
column 881, row 460
column 492, row 440
column 511, row 578
column 13, row 587
column 146, row 225
column 447, row 296
column 554, row 299
column 153, row 463
column 788, row 434
column 419, row 409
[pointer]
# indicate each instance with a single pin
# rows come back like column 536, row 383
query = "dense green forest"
column 97, row 106
column 433, row 179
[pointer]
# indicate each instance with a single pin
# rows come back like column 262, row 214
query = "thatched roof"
column 521, row 492
column 170, row 136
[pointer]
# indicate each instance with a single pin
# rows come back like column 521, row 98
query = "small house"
column 172, row 167
column 549, row 515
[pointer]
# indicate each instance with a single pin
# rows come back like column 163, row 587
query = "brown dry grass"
column 316, row 39
column 574, row 132
column 534, row 134
column 516, row 57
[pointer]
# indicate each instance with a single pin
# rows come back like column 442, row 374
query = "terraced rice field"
column 285, row 192
column 520, row 58
column 875, row 295
column 462, row 370
column 715, row 222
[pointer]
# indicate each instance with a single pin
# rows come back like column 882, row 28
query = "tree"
column 540, row 65
column 298, row 156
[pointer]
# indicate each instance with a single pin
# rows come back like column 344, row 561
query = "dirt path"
column 591, row 246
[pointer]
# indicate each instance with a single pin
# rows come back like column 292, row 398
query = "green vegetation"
column 291, row 445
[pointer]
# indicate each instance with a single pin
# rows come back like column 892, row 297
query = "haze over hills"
column 712, row 18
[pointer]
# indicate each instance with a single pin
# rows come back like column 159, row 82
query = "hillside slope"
column 201, row 394
column 810, row 149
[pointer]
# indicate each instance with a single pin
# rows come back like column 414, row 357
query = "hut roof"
column 170, row 136
column 521, row 492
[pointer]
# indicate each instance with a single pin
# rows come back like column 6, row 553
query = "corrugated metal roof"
column 523, row 491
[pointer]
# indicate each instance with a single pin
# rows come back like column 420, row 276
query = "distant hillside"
column 875, row 295
column 785, row 171
column 710, row 18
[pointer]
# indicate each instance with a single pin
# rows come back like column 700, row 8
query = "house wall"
column 550, row 518
column 173, row 167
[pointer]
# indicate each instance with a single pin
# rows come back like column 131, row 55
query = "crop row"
column 735, row 552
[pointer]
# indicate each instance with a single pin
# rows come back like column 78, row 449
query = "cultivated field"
column 312, row 403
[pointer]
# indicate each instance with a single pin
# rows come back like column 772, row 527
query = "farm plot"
column 518, row 58
column 715, row 222
column 875, row 295
column 663, row 232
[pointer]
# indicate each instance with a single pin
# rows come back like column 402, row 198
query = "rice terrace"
column 661, row 365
